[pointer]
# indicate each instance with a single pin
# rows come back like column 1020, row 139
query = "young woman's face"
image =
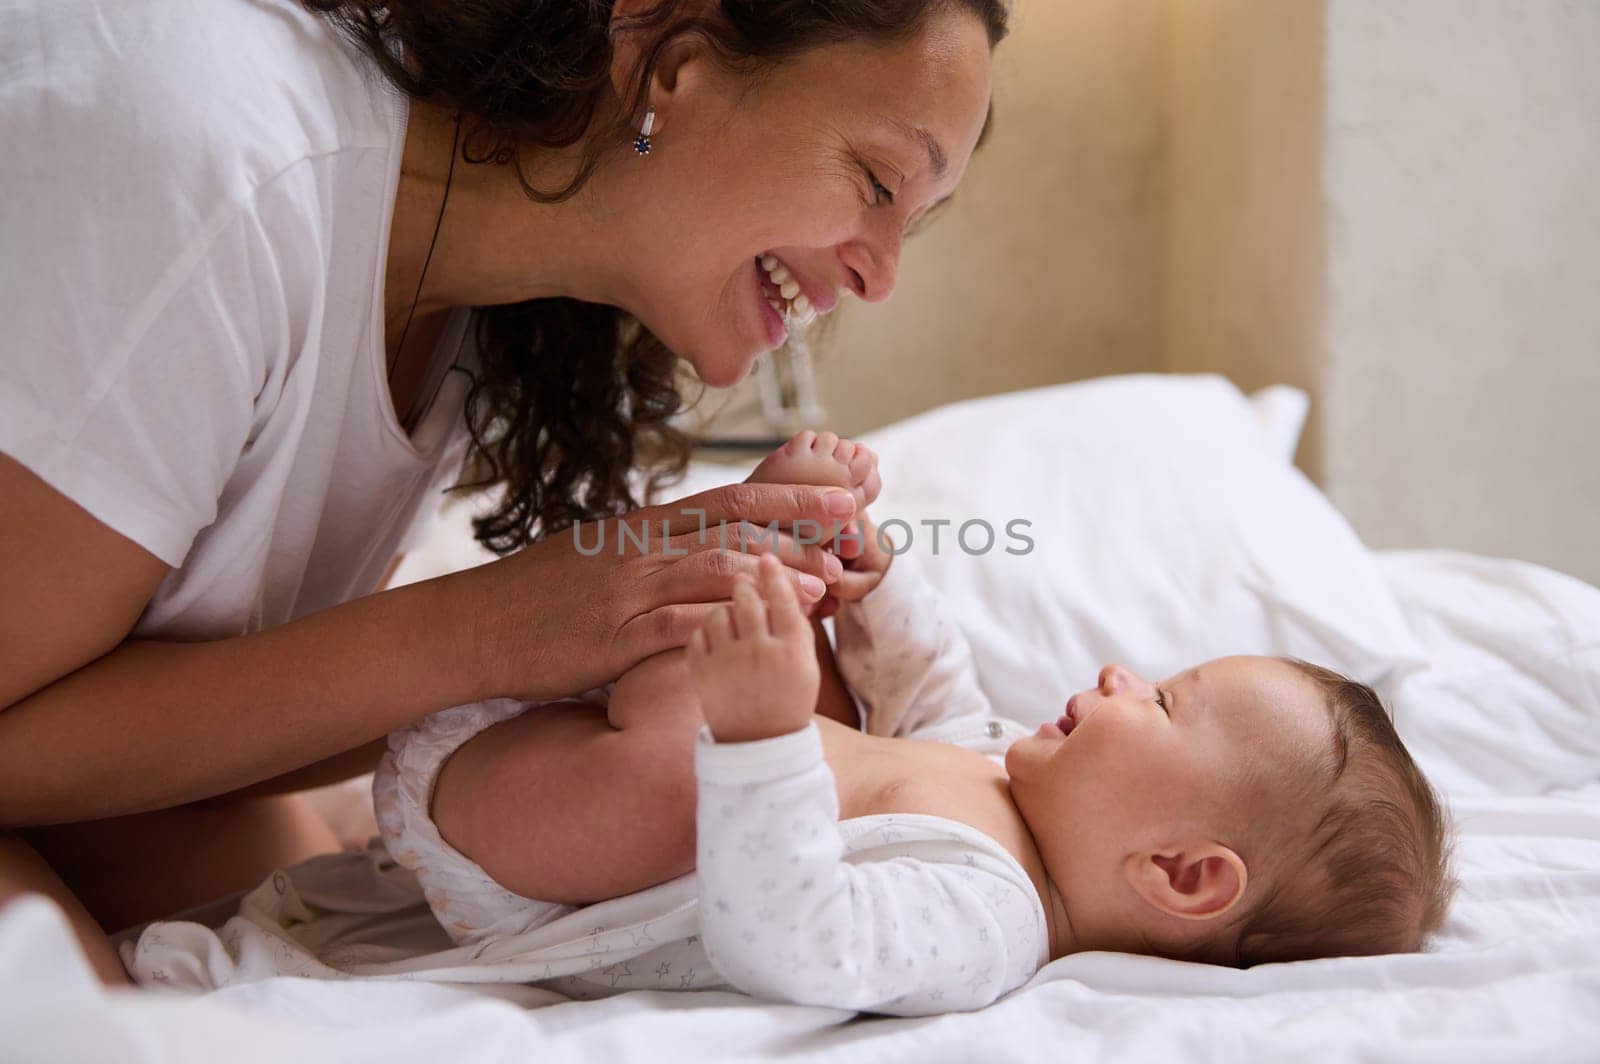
column 819, row 166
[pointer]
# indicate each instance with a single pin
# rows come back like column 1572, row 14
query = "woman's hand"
column 754, row 663
column 578, row 609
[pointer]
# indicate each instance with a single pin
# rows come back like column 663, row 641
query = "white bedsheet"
column 1499, row 697
column 1515, row 978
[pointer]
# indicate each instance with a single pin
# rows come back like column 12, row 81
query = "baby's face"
column 1134, row 766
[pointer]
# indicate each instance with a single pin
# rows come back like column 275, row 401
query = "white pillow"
column 1167, row 528
column 1511, row 702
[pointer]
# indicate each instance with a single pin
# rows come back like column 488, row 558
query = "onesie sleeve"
column 903, row 656
column 787, row 915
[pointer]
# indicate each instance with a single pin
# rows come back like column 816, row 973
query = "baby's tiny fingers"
column 854, row 586
column 718, row 628
column 749, row 616
column 783, row 614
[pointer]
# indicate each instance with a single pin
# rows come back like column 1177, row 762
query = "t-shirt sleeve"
column 784, row 915
column 903, row 655
column 129, row 385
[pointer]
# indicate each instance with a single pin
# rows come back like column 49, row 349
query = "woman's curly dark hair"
column 571, row 396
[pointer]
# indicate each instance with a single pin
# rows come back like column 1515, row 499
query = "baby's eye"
column 1161, row 700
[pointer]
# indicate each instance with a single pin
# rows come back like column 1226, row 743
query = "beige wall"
column 1046, row 265
column 1391, row 205
column 1243, row 224
column 1462, row 176
column 1395, row 206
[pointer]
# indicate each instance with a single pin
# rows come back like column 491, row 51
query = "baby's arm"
column 903, row 654
column 782, row 913
column 784, row 916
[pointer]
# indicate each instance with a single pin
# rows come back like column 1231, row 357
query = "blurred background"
column 1394, row 206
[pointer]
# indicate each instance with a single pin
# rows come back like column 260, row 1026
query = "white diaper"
column 468, row 903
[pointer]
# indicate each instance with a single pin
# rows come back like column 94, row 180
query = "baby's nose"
column 1111, row 678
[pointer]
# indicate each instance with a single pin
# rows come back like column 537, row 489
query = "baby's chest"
column 876, row 776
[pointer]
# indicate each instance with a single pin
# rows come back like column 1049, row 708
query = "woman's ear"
column 677, row 67
column 1190, row 882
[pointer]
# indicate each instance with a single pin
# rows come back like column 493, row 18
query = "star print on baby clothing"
column 889, row 914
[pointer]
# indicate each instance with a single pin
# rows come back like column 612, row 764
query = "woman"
column 273, row 270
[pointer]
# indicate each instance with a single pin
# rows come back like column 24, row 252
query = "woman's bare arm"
column 99, row 727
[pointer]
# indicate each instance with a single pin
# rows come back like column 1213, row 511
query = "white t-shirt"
column 195, row 200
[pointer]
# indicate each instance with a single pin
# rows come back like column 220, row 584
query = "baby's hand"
column 754, row 663
column 866, row 562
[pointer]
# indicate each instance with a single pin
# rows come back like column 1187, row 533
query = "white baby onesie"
column 786, row 913
column 904, row 914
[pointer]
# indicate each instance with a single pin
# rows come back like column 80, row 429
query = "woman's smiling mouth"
column 772, row 320
column 783, row 291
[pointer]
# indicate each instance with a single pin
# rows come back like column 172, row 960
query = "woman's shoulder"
column 217, row 97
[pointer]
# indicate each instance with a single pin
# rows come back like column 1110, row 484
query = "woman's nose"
column 872, row 265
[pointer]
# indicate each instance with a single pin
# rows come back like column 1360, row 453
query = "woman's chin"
column 722, row 369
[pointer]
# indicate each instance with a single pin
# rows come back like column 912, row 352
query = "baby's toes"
column 808, row 458
column 864, row 481
column 789, row 464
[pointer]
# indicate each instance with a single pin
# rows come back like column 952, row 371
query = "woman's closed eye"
column 880, row 192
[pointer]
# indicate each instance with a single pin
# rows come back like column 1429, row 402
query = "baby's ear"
column 1194, row 882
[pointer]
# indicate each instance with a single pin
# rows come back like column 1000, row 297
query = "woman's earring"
column 642, row 144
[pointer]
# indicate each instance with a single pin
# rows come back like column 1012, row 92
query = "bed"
column 1167, row 526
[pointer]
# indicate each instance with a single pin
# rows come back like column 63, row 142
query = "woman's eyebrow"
column 937, row 163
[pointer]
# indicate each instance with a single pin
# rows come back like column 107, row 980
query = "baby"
column 707, row 822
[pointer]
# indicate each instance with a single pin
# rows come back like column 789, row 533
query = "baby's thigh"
column 657, row 693
column 558, row 805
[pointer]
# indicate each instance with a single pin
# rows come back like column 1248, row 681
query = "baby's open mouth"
column 1069, row 719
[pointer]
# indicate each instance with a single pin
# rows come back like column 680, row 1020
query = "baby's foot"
column 823, row 458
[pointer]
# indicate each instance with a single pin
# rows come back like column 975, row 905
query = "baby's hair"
column 1374, row 875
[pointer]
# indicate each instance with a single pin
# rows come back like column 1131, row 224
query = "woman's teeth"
column 794, row 304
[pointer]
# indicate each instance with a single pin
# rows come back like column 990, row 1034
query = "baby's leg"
column 560, row 805
column 573, row 803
